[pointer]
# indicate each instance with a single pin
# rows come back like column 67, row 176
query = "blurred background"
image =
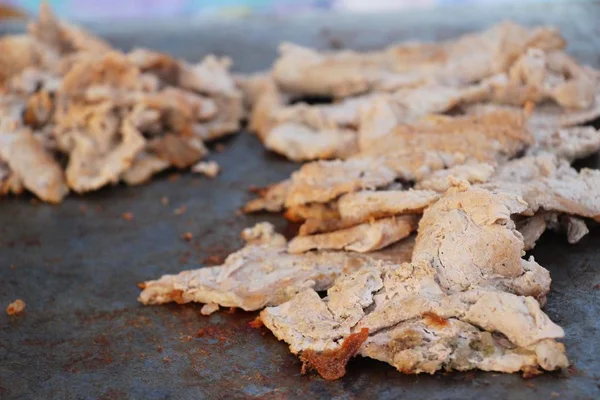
column 93, row 10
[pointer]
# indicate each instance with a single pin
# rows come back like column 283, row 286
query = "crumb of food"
column 256, row 323
column 220, row 147
column 208, row 168
column 164, row 200
column 127, row 216
column 180, row 210
column 12, row 266
column 209, row 308
column 159, row 348
column 187, row 236
column 141, row 285
column 597, row 286
column 201, row 332
column 166, row 360
column 16, row 307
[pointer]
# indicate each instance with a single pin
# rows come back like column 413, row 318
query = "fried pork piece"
column 537, row 76
column 262, row 273
column 322, row 181
column 361, row 238
column 450, row 308
column 570, row 143
column 143, row 167
column 355, row 208
column 303, row 132
column 473, row 219
column 467, row 59
column 34, row 167
column 20, row 52
column 301, row 143
column 472, row 173
column 549, row 183
column 533, row 227
column 272, row 198
column 487, row 137
column 307, row 132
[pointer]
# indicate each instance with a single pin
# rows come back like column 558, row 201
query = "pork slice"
column 143, row 167
column 180, row 107
column 322, row 181
column 533, row 227
column 299, row 142
column 486, row 137
column 102, row 153
column 465, row 306
column 374, row 204
column 20, row 52
column 36, row 169
column 473, row 173
column 166, row 68
column 575, row 227
column 547, row 115
column 358, row 207
column 260, row 274
column 548, row 183
column 307, row 132
column 180, row 151
column 210, row 76
column 538, row 76
column 469, row 58
column 272, row 198
column 479, row 222
column 361, row 238
column 109, row 70
column 570, row 143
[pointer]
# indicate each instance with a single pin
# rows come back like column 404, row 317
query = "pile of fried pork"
column 432, row 168
column 76, row 114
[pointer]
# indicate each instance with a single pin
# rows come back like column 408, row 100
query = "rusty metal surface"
column 84, row 336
